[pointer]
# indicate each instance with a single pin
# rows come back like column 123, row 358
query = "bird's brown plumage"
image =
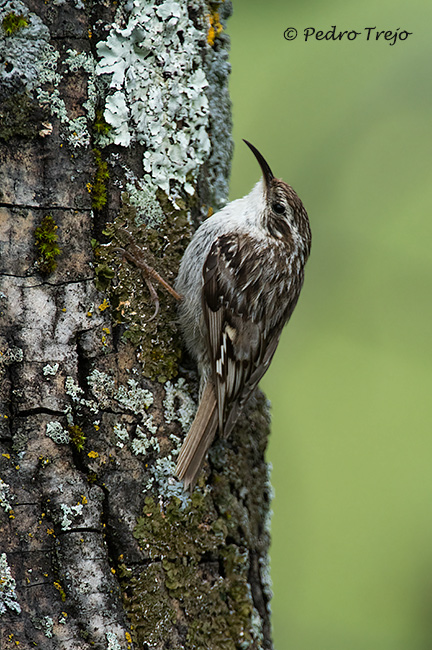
column 251, row 273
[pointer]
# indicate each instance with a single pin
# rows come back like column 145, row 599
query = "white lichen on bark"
column 153, row 57
column 178, row 404
column 8, row 598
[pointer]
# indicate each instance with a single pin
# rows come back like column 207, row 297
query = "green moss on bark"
column 149, row 606
column 77, row 437
column 189, row 542
column 46, row 242
column 13, row 23
column 98, row 188
column 100, row 125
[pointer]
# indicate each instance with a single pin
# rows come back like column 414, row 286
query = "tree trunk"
column 114, row 129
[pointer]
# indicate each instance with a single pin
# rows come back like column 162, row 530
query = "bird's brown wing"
column 241, row 337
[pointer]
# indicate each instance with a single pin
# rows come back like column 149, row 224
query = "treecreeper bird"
column 240, row 279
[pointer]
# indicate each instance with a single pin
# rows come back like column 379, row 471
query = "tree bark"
column 115, row 128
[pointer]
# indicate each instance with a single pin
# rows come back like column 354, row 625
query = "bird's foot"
column 134, row 254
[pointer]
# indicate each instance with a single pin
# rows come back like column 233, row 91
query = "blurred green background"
column 348, row 124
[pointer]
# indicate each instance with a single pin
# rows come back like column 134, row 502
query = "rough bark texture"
column 99, row 546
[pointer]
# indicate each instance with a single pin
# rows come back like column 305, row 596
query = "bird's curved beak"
column 267, row 172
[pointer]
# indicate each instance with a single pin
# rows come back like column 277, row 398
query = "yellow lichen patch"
column 104, row 305
column 93, row 454
column 62, row 593
column 215, row 28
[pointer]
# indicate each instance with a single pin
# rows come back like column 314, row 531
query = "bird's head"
column 284, row 216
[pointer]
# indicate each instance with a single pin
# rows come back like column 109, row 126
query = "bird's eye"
column 279, row 208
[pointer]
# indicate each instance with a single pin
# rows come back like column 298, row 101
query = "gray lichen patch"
column 156, row 98
column 76, row 128
column 115, row 641
column 50, row 370
column 163, row 479
column 133, row 397
column 178, row 404
column 130, row 399
column 35, row 77
column 5, row 497
column 23, row 51
column 57, row 433
column 23, row 43
column 121, row 435
column 215, row 173
column 142, row 442
column 8, row 597
column 11, row 354
column 141, row 196
column 44, row 623
column 130, row 396
column 70, row 513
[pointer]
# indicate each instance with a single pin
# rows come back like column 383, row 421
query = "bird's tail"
column 198, row 440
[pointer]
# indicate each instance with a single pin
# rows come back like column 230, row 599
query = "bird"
column 239, row 281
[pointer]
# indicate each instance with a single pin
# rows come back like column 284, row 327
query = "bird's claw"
column 135, row 256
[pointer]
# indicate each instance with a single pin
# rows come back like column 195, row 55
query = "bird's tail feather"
column 198, row 440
